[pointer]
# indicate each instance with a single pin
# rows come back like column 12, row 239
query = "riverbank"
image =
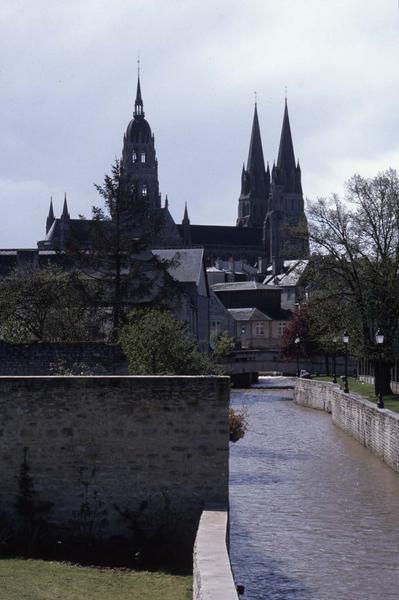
column 376, row 429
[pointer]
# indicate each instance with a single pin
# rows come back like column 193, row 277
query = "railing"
column 365, row 371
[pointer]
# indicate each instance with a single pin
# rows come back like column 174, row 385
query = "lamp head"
column 379, row 336
column 345, row 337
column 297, row 339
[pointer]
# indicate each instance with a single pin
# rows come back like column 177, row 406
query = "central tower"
column 139, row 157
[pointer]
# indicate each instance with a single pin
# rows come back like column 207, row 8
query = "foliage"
column 224, row 345
column 299, row 326
column 47, row 304
column 238, row 424
column 358, row 245
column 118, row 255
column 157, row 344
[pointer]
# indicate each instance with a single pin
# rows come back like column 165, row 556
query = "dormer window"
column 144, row 189
column 134, row 156
column 142, row 157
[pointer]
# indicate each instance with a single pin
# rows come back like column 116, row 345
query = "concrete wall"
column 50, row 359
column 376, row 429
column 116, row 441
column 213, row 579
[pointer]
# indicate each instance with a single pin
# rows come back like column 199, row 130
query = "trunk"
column 382, row 378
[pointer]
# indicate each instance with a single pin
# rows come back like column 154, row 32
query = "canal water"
column 314, row 515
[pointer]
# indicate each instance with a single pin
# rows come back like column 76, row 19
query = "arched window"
column 134, row 156
column 144, row 189
column 142, row 157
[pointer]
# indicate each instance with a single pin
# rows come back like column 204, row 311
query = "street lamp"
column 345, row 339
column 379, row 338
column 297, row 342
column 335, row 340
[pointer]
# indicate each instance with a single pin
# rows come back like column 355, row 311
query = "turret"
column 186, row 227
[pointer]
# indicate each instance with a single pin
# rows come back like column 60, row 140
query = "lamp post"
column 335, row 340
column 297, row 342
column 379, row 338
column 345, row 339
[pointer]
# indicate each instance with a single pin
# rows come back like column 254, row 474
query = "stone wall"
column 376, row 429
column 113, row 445
column 213, row 579
column 51, row 359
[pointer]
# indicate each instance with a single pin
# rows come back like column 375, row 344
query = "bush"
column 238, row 424
column 157, row 344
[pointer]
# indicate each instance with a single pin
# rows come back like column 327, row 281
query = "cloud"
column 68, row 76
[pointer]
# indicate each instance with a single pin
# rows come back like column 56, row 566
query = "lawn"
column 367, row 391
column 22, row 579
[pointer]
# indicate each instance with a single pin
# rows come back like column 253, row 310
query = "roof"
column 187, row 265
column 222, row 235
column 295, row 269
column 238, row 286
column 248, row 314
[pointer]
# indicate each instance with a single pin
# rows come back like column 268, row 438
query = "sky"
column 68, row 72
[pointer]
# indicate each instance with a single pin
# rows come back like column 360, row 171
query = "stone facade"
column 115, row 443
column 376, row 429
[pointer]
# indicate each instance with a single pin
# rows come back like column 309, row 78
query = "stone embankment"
column 376, row 429
column 213, row 579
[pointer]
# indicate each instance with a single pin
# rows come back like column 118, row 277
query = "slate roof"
column 223, row 235
column 239, row 286
column 295, row 269
column 248, row 314
column 188, row 262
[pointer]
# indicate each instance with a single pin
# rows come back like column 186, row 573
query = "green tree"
column 117, row 252
column 48, row 304
column 358, row 265
column 156, row 344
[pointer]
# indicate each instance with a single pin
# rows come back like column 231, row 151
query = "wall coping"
column 123, row 377
column 314, row 382
column 213, row 579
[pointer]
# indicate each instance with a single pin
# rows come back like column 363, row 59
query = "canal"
column 314, row 515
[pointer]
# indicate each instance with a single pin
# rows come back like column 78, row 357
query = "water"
column 314, row 515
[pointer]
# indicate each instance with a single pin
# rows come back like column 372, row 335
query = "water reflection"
column 313, row 513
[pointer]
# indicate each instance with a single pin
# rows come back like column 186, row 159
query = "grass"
column 26, row 579
column 367, row 391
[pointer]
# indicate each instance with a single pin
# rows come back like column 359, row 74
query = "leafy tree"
column 358, row 246
column 224, row 345
column 157, row 344
column 117, row 253
column 47, row 304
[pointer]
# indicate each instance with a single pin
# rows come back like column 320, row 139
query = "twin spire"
column 51, row 218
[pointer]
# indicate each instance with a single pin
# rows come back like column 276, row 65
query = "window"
column 259, row 329
column 281, row 326
column 142, row 157
column 144, row 189
column 134, row 156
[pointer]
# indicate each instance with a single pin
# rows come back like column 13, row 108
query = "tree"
column 48, row 304
column 358, row 245
column 157, row 344
column 117, row 253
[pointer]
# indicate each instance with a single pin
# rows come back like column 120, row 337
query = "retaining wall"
column 101, row 448
column 213, row 579
column 45, row 358
column 377, row 429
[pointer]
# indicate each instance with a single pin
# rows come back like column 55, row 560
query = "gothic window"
column 144, row 189
column 134, row 156
column 142, row 157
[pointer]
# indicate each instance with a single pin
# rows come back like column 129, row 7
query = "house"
column 289, row 281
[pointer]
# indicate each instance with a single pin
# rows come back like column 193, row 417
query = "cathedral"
column 271, row 225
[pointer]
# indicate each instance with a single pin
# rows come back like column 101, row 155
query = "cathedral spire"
column 65, row 213
column 255, row 162
column 186, row 220
column 50, row 218
column 138, row 104
column 286, row 157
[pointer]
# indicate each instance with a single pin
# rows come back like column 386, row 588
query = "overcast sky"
column 68, row 80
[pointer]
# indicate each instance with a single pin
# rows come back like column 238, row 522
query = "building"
column 269, row 205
